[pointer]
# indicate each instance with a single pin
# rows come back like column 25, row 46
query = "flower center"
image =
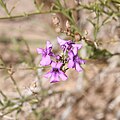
column 76, row 59
column 55, row 69
column 69, row 45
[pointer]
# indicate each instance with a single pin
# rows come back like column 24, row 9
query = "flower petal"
column 53, row 64
column 78, row 46
column 48, row 45
column 48, row 75
column 78, row 67
column 58, row 65
column 45, row 60
column 40, row 50
column 62, row 75
column 54, row 78
column 71, row 55
column 58, row 57
column 82, row 61
column 75, row 51
column 71, row 64
column 60, row 41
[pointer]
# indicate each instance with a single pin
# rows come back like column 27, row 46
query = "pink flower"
column 46, row 53
column 68, row 45
column 74, row 60
column 56, row 73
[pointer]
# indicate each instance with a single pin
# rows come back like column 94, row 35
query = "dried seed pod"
column 77, row 37
column 55, row 20
column 68, row 32
column 58, row 29
column 67, row 24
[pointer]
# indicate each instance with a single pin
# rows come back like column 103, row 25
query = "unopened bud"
column 58, row 29
column 77, row 36
column 55, row 20
column 58, row 57
column 67, row 24
column 86, row 32
column 68, row 32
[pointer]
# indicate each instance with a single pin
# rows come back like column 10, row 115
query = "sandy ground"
column 90, row 95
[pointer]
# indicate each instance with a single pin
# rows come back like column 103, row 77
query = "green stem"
column 29, row 14
column 9, row 71
column 15, row 84
column 5, row 7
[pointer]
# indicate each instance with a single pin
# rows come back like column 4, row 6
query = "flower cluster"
column 60, row 63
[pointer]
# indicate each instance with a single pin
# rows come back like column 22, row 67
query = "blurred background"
column 25, row 94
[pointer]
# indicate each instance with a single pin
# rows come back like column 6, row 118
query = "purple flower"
column 58, row 57
column 46, row 53
column 68, row 45
column 74, row 60
column 56, row 73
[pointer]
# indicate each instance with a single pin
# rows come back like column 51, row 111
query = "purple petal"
column 45, row 60
column 75, row 51
column 58, row 65
column 78, row 67
column 48, row 75
column 71, row 64
column 52, row 54
column 78, row 46
column 54, row 78
column 58, row 57
column 82, row 61
column 62, row 75
column 48, row 51
column 70, row 54
column 70, row 42
column 40, row 50
column 60, row 41
column 53, row 64
column 49, row 45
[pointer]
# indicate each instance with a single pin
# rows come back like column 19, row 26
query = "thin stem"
column 29, row 14
column 32, row 63
column 4, row 7
column 10, row 72
column 15, row 84
column 81, row 6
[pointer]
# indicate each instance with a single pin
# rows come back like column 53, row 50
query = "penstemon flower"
column 56, row 73
column 68, row 45
column 74, row 60
column 46, row 53
column 58, row 63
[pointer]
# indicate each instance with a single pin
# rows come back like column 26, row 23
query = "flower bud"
column 58, row 29
column 55, row 20
column 77, row 37
column 58, row 57
column 68, row 32
column 67, row 24
column 86, row 32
